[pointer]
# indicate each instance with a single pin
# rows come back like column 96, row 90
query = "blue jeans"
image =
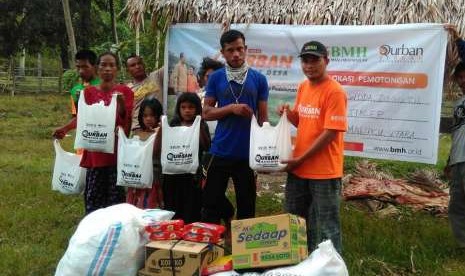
column 318, row 201
column 457, row 203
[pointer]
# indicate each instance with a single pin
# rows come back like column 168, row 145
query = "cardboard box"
column 188, row 258
column 268, row 241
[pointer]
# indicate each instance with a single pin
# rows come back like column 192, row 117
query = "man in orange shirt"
column 192, row 84
column 315, row 170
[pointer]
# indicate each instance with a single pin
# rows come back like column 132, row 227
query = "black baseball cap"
column 313, row 48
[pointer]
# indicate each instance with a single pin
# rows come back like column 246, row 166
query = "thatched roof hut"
column 342, row 12
column 315, row 12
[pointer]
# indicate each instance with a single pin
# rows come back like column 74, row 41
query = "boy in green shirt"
column 86, row 61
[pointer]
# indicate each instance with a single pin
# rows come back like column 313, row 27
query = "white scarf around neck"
column 238, row 75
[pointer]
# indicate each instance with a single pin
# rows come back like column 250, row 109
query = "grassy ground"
column 36, row 223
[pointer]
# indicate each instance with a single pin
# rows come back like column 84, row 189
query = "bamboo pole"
column 69, row 31
column 12, row 75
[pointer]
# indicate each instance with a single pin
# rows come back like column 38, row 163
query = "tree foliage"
column 12, row 17
column 36, row 25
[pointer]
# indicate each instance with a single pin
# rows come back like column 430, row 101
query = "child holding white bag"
column 182, row 192
column 149, row 120
column 101, row 190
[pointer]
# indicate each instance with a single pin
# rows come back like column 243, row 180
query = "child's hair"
column 459, row 68
column 153, row 104
column 186, row 97
column 207, row 64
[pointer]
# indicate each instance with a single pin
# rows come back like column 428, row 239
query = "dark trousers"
column 101, row 190
column 457, row 203
column 318, row 201
column 182, row 195
column 214, row 205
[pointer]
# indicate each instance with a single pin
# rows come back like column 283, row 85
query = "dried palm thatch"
column 306, row 12
column 427, row 179
column 367, row 169
column 302, row 12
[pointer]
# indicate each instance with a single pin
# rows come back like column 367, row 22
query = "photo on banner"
column 394, row 86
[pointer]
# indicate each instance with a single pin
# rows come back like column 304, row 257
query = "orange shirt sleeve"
column 335, row 116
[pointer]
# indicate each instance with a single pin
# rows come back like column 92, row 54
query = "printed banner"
column 393, row 75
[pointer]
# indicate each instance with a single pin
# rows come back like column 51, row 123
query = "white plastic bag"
column 109, row 241
column 180, row 147
column 323, row 261
column 269, row 145
column 68, row 177
column 135, row 164
column 95, row 129
column 152, row 215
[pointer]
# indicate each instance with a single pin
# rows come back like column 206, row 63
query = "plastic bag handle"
column 57, row 146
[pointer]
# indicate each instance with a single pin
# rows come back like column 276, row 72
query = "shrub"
column 70, row 77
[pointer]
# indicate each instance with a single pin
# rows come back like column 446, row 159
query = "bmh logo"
column 400, row 54
column 348, row 53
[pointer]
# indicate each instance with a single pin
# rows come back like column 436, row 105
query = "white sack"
column 108, row 241
column 325, row 260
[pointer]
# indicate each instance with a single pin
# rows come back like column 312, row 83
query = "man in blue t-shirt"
column 239, row 92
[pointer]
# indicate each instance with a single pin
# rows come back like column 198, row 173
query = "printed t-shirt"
column 142, row 90
column 232, row 134
column 93, row 95
column 321, row 106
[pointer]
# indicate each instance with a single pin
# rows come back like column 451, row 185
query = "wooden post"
column 157, row 55
column 22, row 63
column 69, row 31
column 137, row 40
column 12, row 75
column 39, row 71
column 60, row 78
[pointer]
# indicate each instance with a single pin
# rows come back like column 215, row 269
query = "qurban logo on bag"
column 94, row 134
column 180, row 158
column 65, row 183
column 400, row 53
column 267, row 160
column 131, row 176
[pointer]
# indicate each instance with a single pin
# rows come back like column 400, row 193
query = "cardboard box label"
column 261, row 235
column 187, row 258
column 268, row 241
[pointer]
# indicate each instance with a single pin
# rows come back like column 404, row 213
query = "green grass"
column 36, row 223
